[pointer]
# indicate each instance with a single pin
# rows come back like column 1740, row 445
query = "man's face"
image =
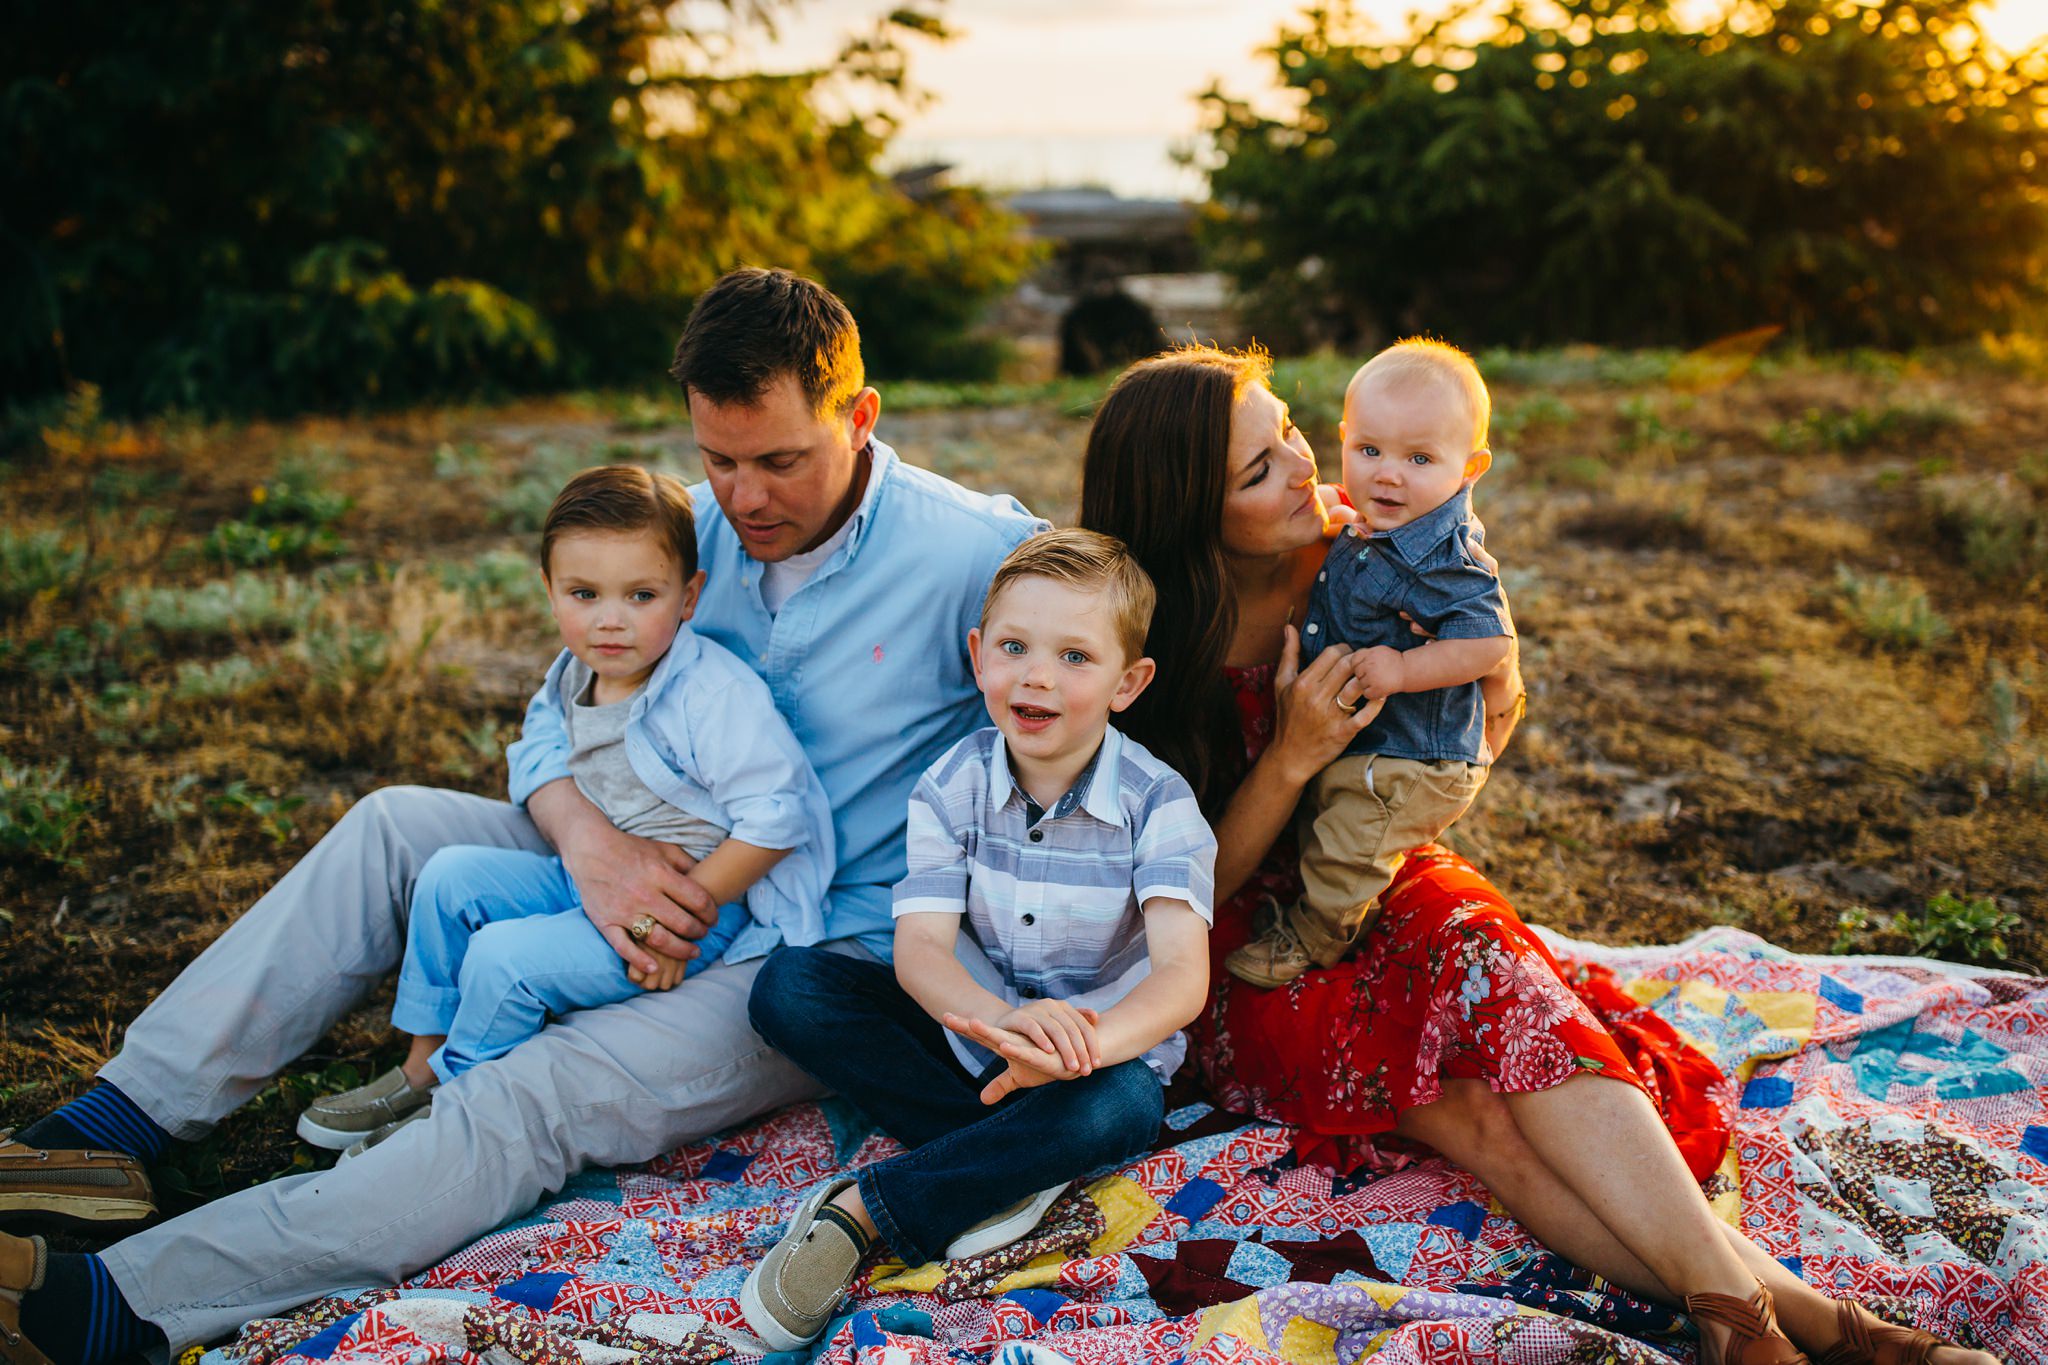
column 787, row 477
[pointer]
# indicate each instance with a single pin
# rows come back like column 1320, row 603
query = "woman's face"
column 1269, row 493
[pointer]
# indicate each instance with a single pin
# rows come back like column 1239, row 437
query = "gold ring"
column 640, row 928
column 1352, row 705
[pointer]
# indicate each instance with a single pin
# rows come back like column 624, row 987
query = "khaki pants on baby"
column 1361, row 816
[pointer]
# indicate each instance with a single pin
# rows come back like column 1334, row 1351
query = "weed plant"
column 1894, row 613
column 41, row 814
column 1997, row 523
column 1860, row 428
column 34, row 563
column 246, row 604
column 1967, row 929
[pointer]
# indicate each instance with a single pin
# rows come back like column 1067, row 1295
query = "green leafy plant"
column 246, row 604
column 272, row 813
column 1967, row 928
column 1853, row 429
column 41, row 814
column 37, row 562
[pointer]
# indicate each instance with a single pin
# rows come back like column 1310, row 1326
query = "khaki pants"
column 1363, row 813
column 608, row 1086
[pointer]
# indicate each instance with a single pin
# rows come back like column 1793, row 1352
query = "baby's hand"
column 667, row 973
column 1381, row 671
column 1337, row 513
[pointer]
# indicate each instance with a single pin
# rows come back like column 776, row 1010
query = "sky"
column 1035, row 92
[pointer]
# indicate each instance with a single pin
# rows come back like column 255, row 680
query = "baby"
column 1414, row 432
column 673, row 738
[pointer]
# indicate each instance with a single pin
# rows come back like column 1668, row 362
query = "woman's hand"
column 1318, row 709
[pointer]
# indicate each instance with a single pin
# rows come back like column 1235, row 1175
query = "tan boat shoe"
column 21, row 1269
column 71, row 1185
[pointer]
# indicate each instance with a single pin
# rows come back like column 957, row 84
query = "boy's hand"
column 1059, row 1028
column 1381, row 671
column 667, row 973
column 1029, row 1064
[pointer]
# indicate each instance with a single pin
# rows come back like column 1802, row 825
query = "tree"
column 1858, row 173
column 271, row 204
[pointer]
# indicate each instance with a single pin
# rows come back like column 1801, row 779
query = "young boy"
column 1414, row 433
column 1051, row 942
column 674, row 739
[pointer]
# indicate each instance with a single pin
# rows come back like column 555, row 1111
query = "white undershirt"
column 783, row 577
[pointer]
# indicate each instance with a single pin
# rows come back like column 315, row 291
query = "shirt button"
column 1038, row 835
column 1323, row 577
column 1027, row 992
column 1312, row 627
column 1031, row 919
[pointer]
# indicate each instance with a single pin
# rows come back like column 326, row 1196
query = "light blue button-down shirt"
column 867, row 661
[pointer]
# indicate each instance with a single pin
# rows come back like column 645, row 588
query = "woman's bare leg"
column 1473, row 1128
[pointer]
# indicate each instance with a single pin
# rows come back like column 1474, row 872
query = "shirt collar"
column 1094, row 791
column 1429, row 530
column 881, row 464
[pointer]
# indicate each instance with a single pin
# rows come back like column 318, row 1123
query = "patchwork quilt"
column 1891, row 1145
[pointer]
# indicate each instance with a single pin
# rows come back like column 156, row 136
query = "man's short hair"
column 754, row 326
column 623, row 498
column 1427, row 360
column 1090, row 562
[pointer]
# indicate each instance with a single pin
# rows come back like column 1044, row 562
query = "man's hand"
column 1057, row 1027
column 622, row 877
column 1381, row 671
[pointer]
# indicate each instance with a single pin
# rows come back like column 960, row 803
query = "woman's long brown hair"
column 1158, row 455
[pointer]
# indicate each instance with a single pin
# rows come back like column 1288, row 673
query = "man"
column 849, row 581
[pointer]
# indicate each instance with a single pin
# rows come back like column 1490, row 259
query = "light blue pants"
column 498, row 942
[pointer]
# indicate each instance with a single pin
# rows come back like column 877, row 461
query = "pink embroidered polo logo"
column 878, row 654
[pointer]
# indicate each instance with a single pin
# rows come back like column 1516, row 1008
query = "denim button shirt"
column 867, row 662
column 1427, row 569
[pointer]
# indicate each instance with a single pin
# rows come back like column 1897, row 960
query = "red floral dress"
column 1449, row 983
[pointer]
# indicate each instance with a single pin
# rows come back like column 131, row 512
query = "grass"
column 179, row 731
column 1863, row 427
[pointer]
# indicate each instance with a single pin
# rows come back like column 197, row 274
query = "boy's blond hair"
column 1090, row 562
column 1427, row 360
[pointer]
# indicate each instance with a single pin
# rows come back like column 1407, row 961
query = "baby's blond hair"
column 1091, row 562
column 1427, row 360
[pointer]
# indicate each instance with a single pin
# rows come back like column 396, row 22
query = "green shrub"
column 1644, row 428
column 1512, row 421
column 254, row 545
column 495, row 578
column 1997, row 522
column 220, row 679
column 41, row 815
column 93, row 652
column 1972, row 929
column 522, row 505
column 1895, row 614
column 271, row 812
column 1678, row 183
column 1853, row 429
column 36, row 562
column 247, row 604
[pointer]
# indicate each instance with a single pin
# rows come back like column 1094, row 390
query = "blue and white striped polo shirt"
column 1053, row 907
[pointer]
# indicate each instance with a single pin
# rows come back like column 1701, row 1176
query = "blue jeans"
column 497, row 941
column 847, row 1022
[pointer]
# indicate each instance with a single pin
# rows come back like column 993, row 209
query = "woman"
column 1450, row 1025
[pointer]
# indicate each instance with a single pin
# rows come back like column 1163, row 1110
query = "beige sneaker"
column 339, row 1122
column 1272, row 959
column 788, row 1299
column 377, row 1135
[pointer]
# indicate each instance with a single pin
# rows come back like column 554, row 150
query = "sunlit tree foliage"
column 267, row 204
column 1589, row 170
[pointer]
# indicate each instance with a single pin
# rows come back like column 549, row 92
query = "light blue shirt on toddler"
column 866, row 661
column 705, row 737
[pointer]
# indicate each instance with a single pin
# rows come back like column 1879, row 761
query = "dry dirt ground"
column 213, row 639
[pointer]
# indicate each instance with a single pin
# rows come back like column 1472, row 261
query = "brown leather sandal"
column 1754, row 1335
column 1868, row 1339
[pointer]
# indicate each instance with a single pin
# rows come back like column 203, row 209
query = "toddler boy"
column 674, row 739
column 1414, row 430
column 1051, row 942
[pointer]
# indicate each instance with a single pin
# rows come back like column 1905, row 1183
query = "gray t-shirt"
column 598, row 762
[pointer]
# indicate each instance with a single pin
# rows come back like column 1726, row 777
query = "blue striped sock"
column 104, row 1118
column 78, row 1317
